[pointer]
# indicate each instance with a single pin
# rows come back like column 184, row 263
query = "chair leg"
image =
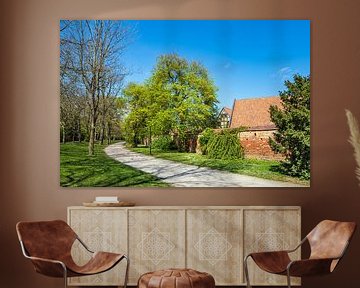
column 246, row 270
column 65, row 276
column 126, row 271
column 288, row 278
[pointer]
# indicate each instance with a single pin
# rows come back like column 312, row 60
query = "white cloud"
column 284, row 70
column 227, row 65
column 285, row 73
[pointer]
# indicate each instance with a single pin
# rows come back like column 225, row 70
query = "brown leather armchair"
column 328, row 242
column 48, row 245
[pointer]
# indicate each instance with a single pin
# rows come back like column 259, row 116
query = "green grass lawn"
column 77, row 169
column 266, row 169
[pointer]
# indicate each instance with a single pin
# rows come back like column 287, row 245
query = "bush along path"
column 184, row 175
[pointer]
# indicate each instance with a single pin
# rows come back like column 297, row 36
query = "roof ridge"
column 257, row 98
column 253, row 112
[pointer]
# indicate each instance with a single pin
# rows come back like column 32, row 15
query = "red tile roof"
column 227, row 110
column 253, row 112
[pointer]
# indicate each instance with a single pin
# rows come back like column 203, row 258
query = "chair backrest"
column 46, row 239
column 329, row 239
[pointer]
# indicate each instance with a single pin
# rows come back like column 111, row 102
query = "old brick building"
column 254, row 114
column 224, row 117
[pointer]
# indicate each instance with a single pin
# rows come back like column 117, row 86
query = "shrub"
column 163, row 142
column 204, row 139
column 225, row 146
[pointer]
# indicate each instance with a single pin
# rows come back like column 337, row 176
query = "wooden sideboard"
column 211, row 239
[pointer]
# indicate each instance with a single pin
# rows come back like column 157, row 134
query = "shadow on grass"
column 77, row 169
column 277, row 169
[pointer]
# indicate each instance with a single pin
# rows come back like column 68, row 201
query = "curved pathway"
column 184, row 175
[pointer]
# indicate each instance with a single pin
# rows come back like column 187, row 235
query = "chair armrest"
column 268, row 252
column 48, row 267
column 281, row 251
column 309, row 267
column 45, row 260
column 298, row 246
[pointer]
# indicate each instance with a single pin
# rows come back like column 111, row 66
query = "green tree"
column 293, row 122
column 179, row 99
column 136, row 123
column 111, row 118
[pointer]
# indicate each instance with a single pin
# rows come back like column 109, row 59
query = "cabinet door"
column 101, row 230
column 270, row 230
column 214, row 244
column 156, row 240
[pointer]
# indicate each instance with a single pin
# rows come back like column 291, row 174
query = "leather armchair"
column 328, row 243
column 48, row 245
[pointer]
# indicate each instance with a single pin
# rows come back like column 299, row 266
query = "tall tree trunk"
column 109, row 133
column 63, row 134
column 79, row 130
column 192, row 144
column 88, row 124
column 102, row 131
column 177, row 141
column 92, row 136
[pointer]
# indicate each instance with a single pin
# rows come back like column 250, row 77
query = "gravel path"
column 184, row 175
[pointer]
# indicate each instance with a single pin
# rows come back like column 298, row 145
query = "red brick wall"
column 256, row 145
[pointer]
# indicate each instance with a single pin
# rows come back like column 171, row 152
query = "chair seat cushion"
column 176, row 278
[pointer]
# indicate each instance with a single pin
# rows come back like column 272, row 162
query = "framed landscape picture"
column 184, row 103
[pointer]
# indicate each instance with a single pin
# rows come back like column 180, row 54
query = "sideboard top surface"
column 193, row 207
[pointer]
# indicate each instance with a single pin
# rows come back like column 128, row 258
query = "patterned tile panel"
column 156, row 246
column 157, row 241
column 270, row 230
column 214, row 241
column 100, row 230
column 213, row 246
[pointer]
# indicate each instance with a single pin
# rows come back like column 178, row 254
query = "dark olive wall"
column 29, row 119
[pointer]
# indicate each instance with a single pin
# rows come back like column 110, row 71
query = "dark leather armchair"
column 328, row 242
column 48, row 245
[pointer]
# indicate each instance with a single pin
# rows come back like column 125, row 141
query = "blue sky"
column 245, row 58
